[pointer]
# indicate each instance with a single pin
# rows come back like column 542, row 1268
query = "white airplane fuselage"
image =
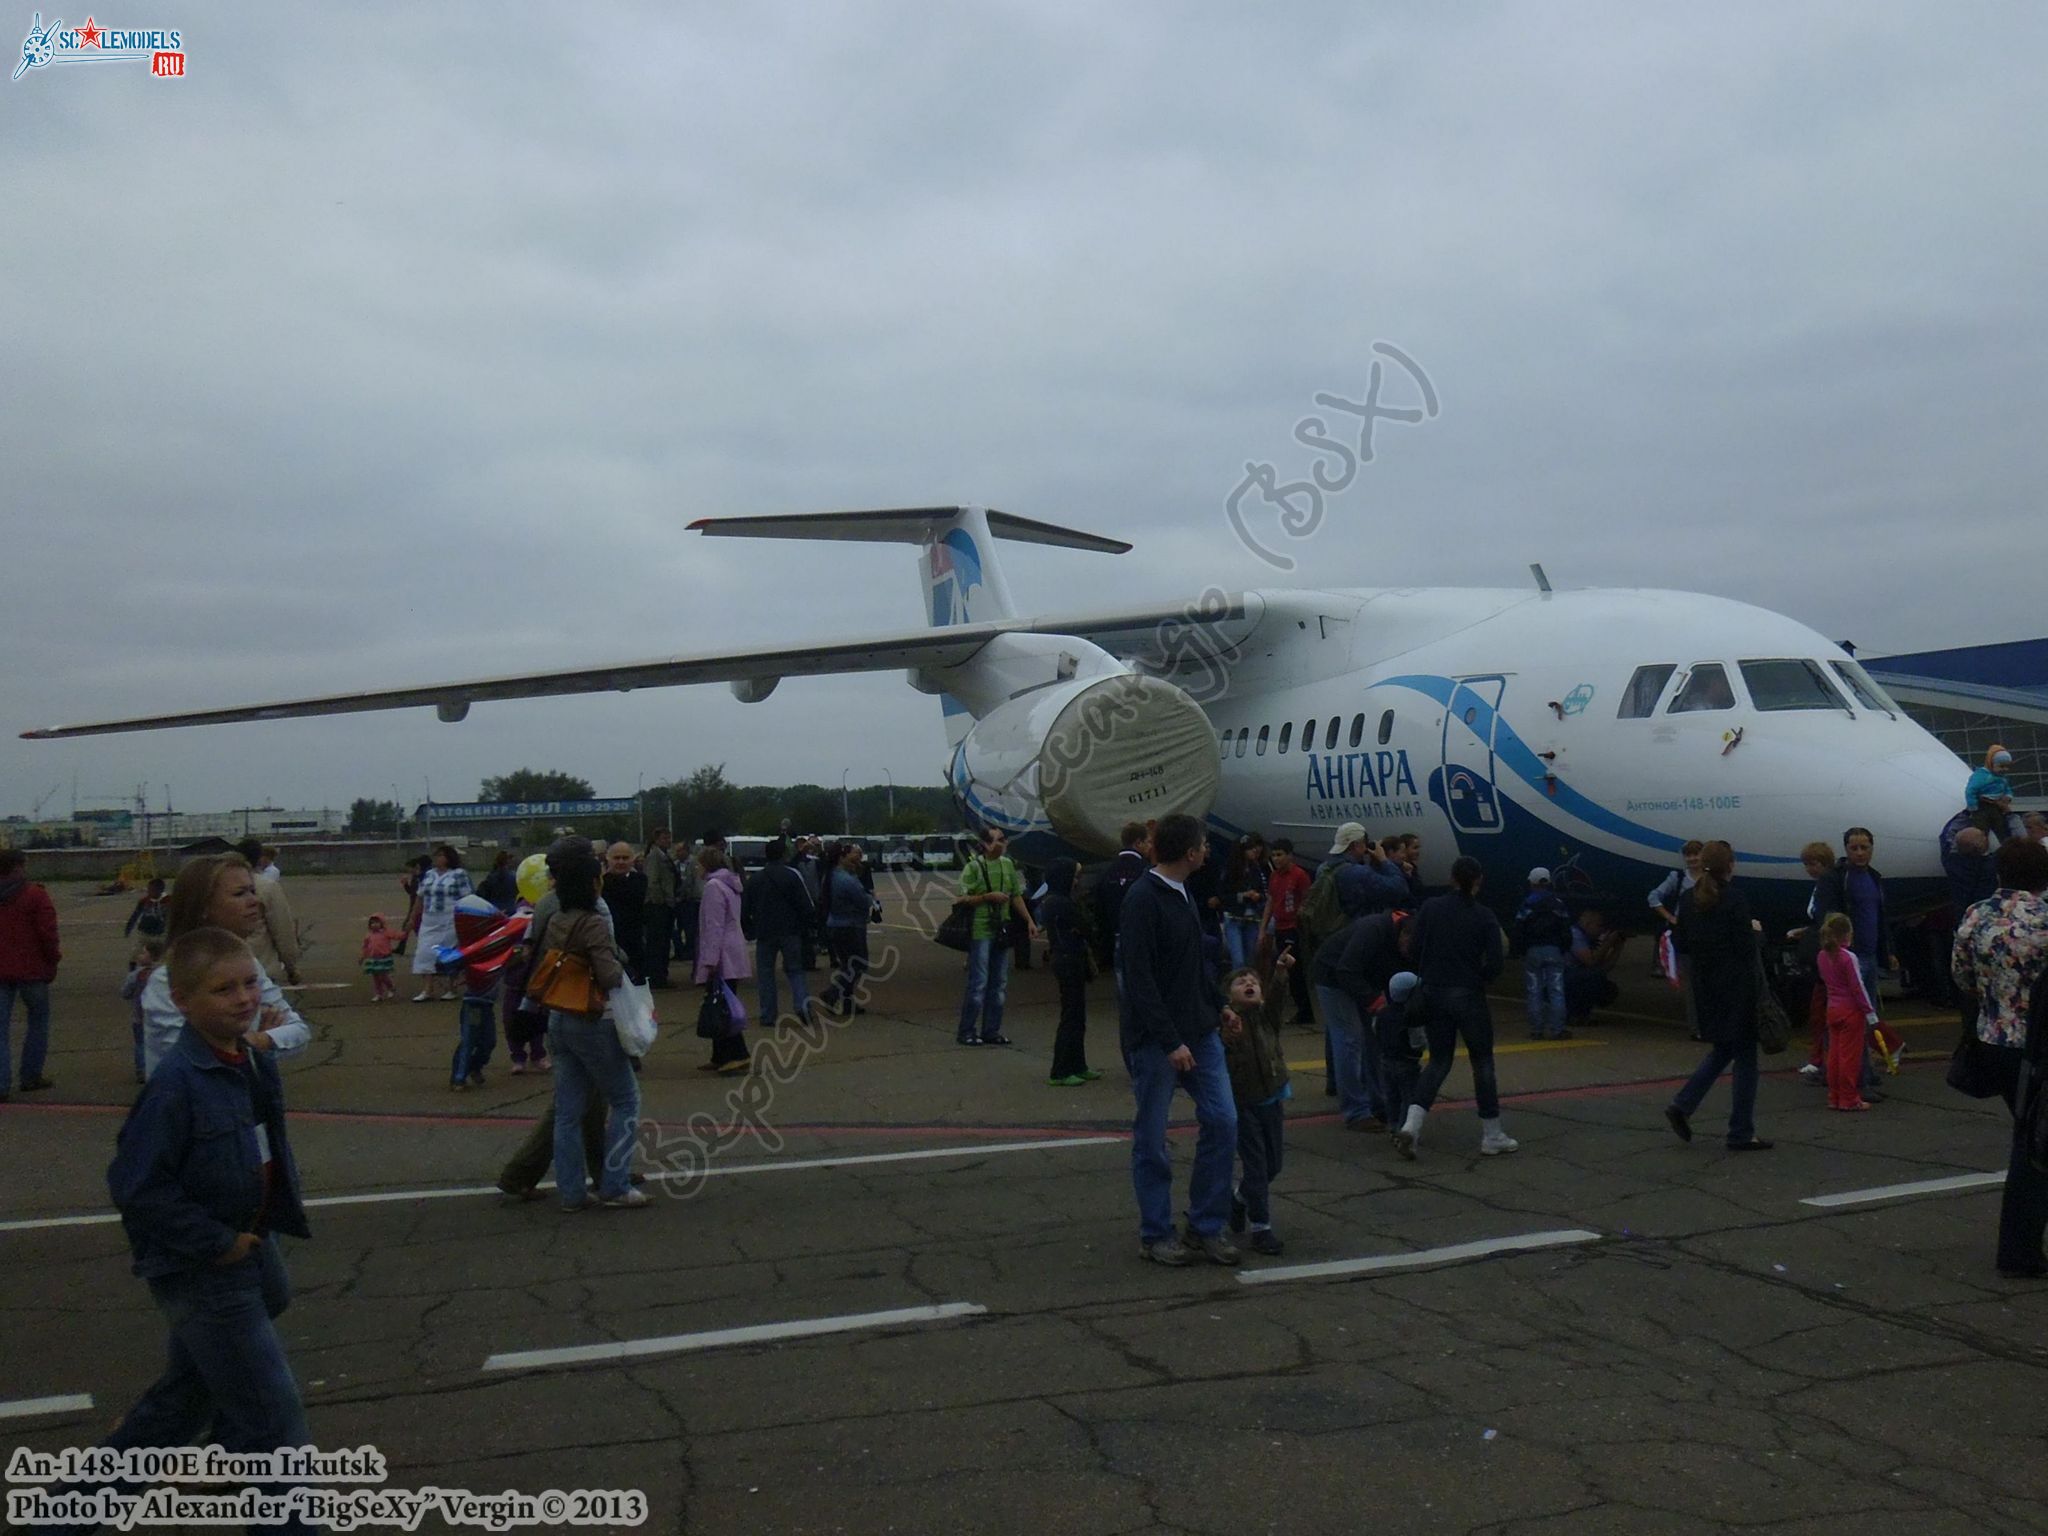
column 1501, row 724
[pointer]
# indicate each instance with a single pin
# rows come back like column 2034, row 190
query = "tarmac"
column 908, row 1298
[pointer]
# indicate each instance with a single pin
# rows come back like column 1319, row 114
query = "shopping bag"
column 631, row 1010
column 1667, row 958
column 735, row 1010
column 712, row 1019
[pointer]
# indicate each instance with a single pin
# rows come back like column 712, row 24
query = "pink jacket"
column 721, row 947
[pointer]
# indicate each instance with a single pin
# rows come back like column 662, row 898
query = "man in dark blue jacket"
column 204, row 1180
column 1170, row 1009
column 777, row 910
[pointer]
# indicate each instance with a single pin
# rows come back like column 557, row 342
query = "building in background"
column 1975, row 695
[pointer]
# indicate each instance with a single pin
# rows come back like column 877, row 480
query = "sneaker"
column 1267, row 1242
column 518, row 1068
column 967, row 1039
column 476, row 1079
column 1681, row 1123
column 631, row 1200
column 421, row 997
column 515, row 1192
column 1754, row 1144
column 997, row 1040
column 733, row 1068
column 1813, row 1073
column 542, row 1064
column 572, row 1207
column 1164, row 1250
column 458, row 1086
column 1214, row 1247
column 1090, row 1074
column 1497, row 1141
column 1075, row 1081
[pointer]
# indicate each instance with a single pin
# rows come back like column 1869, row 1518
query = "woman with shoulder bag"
column 2001, row 959
column 1716, row 930
column 588, row 1058
column 722, row 953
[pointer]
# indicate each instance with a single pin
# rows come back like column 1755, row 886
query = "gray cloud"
column 403, row 347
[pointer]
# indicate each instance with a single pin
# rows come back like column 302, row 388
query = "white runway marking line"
column 1425, row 1258
column 1903, row 1191
column 793, row 1165
column 720, row 1338
column 37, row 1407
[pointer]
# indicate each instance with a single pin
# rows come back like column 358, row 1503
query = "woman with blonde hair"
column 1716, row 930
column 216, row 891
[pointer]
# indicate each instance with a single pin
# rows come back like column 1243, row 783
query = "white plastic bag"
column 631, row 1010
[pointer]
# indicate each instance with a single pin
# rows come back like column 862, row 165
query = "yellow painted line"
column 1517, row 1048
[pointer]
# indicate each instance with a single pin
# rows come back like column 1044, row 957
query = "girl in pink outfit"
column 378, row 944
column 1851, row 1016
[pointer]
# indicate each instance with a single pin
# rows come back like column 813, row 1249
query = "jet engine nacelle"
column 1078, row 759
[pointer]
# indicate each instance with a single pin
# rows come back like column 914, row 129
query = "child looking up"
column 1258, row 1081
column 202, row 1211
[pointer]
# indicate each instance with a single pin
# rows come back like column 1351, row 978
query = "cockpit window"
column 1706, row 687
column 1789, row 685
column 1864, row 686
column 1639, row 698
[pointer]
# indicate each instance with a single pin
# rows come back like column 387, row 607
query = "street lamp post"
column 845, row 804
column 640, row 803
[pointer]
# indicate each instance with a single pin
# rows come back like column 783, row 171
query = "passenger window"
column 1223, row 745
column 1244, row 734
column 1264, row 732
column 1308, row 737
column 1639, row 698
column 1330, row 736
column 1776, row 685
column 1286, row 730
column 1864, row 686
column 1706, row 687
column 1386, row 727
column 1357, row 729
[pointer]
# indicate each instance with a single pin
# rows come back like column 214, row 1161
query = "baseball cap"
column 1351, row 832
column 1539, row 876
column 1404, row 982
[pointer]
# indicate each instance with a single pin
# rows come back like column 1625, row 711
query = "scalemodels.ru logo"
column 163, row 50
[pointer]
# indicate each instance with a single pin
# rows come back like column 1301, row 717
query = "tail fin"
column 963, row 583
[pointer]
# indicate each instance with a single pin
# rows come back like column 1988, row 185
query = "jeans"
column 659, row 924
column 478, row 1039
column 1354, row 1055
column 1259, row 1154
column 1742, row 1114
column 1453, row 1012
column 227, row 1381
column 988, row 981
column 35, row 1044
column 589, row 1059
column 1543, row 988
column 1153, row 1080
column 1240, row 940
column 1069, row 1041
column 789, row 950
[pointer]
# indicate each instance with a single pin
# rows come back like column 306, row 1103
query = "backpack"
column 1542, row 922
column 1321, row 913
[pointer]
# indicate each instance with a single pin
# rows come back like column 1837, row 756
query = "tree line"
column 699, row 802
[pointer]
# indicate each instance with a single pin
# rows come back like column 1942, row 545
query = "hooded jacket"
column 28, row 932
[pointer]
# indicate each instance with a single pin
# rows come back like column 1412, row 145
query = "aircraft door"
column 1468, row 764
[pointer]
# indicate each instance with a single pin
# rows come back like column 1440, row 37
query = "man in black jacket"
column 1124, row 870
column 1169, row 1011
column 776, row 909
column 625, row 893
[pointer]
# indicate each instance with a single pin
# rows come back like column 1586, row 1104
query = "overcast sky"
column 401, row 347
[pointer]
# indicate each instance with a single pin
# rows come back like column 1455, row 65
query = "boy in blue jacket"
column 204, row 1180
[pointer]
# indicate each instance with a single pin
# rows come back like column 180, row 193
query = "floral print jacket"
column 2001, row 951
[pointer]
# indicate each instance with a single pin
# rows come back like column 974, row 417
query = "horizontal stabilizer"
column 902, row 525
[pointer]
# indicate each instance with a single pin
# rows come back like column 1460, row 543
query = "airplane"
column 1591, row 732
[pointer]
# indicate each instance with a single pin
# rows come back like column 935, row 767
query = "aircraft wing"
column 869, row 653
column 1145, row 635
